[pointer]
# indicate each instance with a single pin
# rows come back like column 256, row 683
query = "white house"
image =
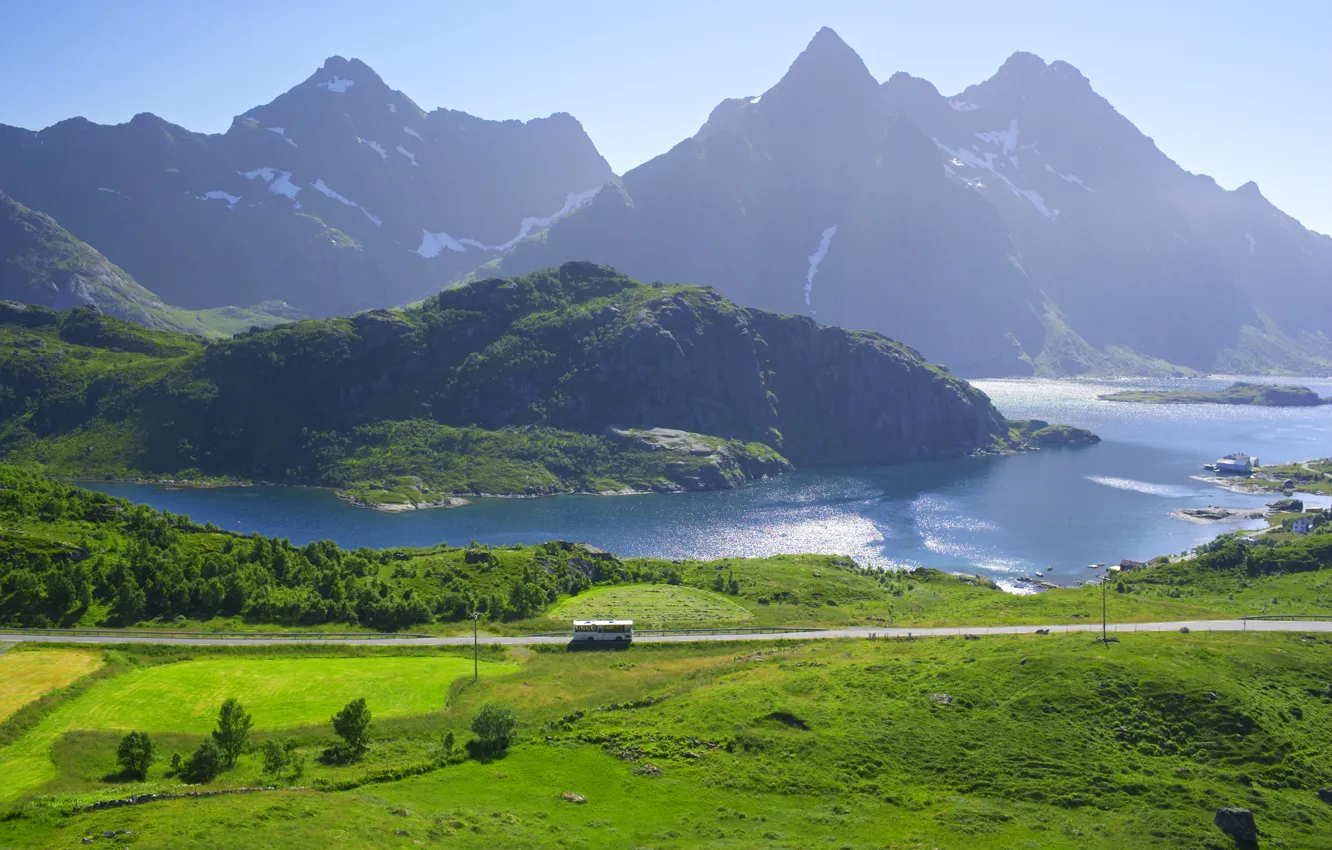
column 1237, row 462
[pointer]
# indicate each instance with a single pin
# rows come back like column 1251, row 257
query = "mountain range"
column 339, row 195
column 1021, row 226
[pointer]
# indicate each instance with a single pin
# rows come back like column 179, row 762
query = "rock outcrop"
column 1237, row 823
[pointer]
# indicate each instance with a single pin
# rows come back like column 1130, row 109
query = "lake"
column 999, row 516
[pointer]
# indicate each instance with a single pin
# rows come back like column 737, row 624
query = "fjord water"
column 1060, row 508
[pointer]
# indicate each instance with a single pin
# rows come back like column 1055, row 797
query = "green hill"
column 42, row 263
column 548, row 383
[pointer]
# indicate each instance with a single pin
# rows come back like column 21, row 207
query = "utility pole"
column 476, row 615
column 1105, row 636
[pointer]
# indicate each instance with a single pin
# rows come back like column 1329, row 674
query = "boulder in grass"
column 571, row 797
column 1237, row 823
column 1325, row 794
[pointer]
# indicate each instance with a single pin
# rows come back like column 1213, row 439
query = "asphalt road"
column 1305, row 626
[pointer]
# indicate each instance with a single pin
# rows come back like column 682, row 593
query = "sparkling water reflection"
column 1054, row 510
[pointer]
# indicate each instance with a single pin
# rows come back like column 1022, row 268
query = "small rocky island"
column 1034, row 433
column 1240, row 392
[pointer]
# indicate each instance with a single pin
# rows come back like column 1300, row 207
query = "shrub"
column 275, row 757
column 495, row 725
column 206, row 762
column 135, row 754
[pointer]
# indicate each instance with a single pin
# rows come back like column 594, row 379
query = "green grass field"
column 280, row 693
column 1002, row 742
column 652, row 605
column 26, row 676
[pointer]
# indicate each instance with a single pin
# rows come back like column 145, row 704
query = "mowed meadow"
column 27, row 676
column 1001, row 742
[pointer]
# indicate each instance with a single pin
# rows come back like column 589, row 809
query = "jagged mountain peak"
column 827, row 64
column 340, row 75
column 1021, row 65
column 1250, row 190
column 904, row 82
column 1025, row 73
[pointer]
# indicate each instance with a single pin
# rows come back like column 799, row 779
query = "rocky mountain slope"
column 1136, row 251
column 814, row 199
column 340, row 195
column 539, row 383
column 1022, row 225
column 42, row 263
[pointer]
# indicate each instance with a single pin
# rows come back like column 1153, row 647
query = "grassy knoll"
column 26, row 676
column 650, row 604
column 1002, row 742
column 182, row 698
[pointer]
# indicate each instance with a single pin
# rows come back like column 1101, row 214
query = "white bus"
column 621, row 630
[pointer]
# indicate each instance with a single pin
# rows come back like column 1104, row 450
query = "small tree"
column 275, row 757
column 233, row 731
column 296, row 765
column 206, row 762
column 135, row 754
column 353, row 725
column 494, row 724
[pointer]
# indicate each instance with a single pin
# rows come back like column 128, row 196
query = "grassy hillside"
column 1037, row 742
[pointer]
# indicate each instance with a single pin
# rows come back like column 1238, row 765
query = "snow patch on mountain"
column 1253, row 243
column 1069, row 178
column 964, row 158
column 376, row 147
column 433, row 243
column 322, row 187
column 376, row 219
column 219, row 195
column 756, row 99
column 411, row 132
column 393, row 107
column 112, row 191
column 282, row 131
column 279, row 182
column 825, row 241
column 408, row 154
column 1006, row 139
column 1039, row 203
column 531, row 223
column 963, row 105
column 337, row 84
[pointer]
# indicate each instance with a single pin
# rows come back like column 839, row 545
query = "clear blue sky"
column 1237, row 90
